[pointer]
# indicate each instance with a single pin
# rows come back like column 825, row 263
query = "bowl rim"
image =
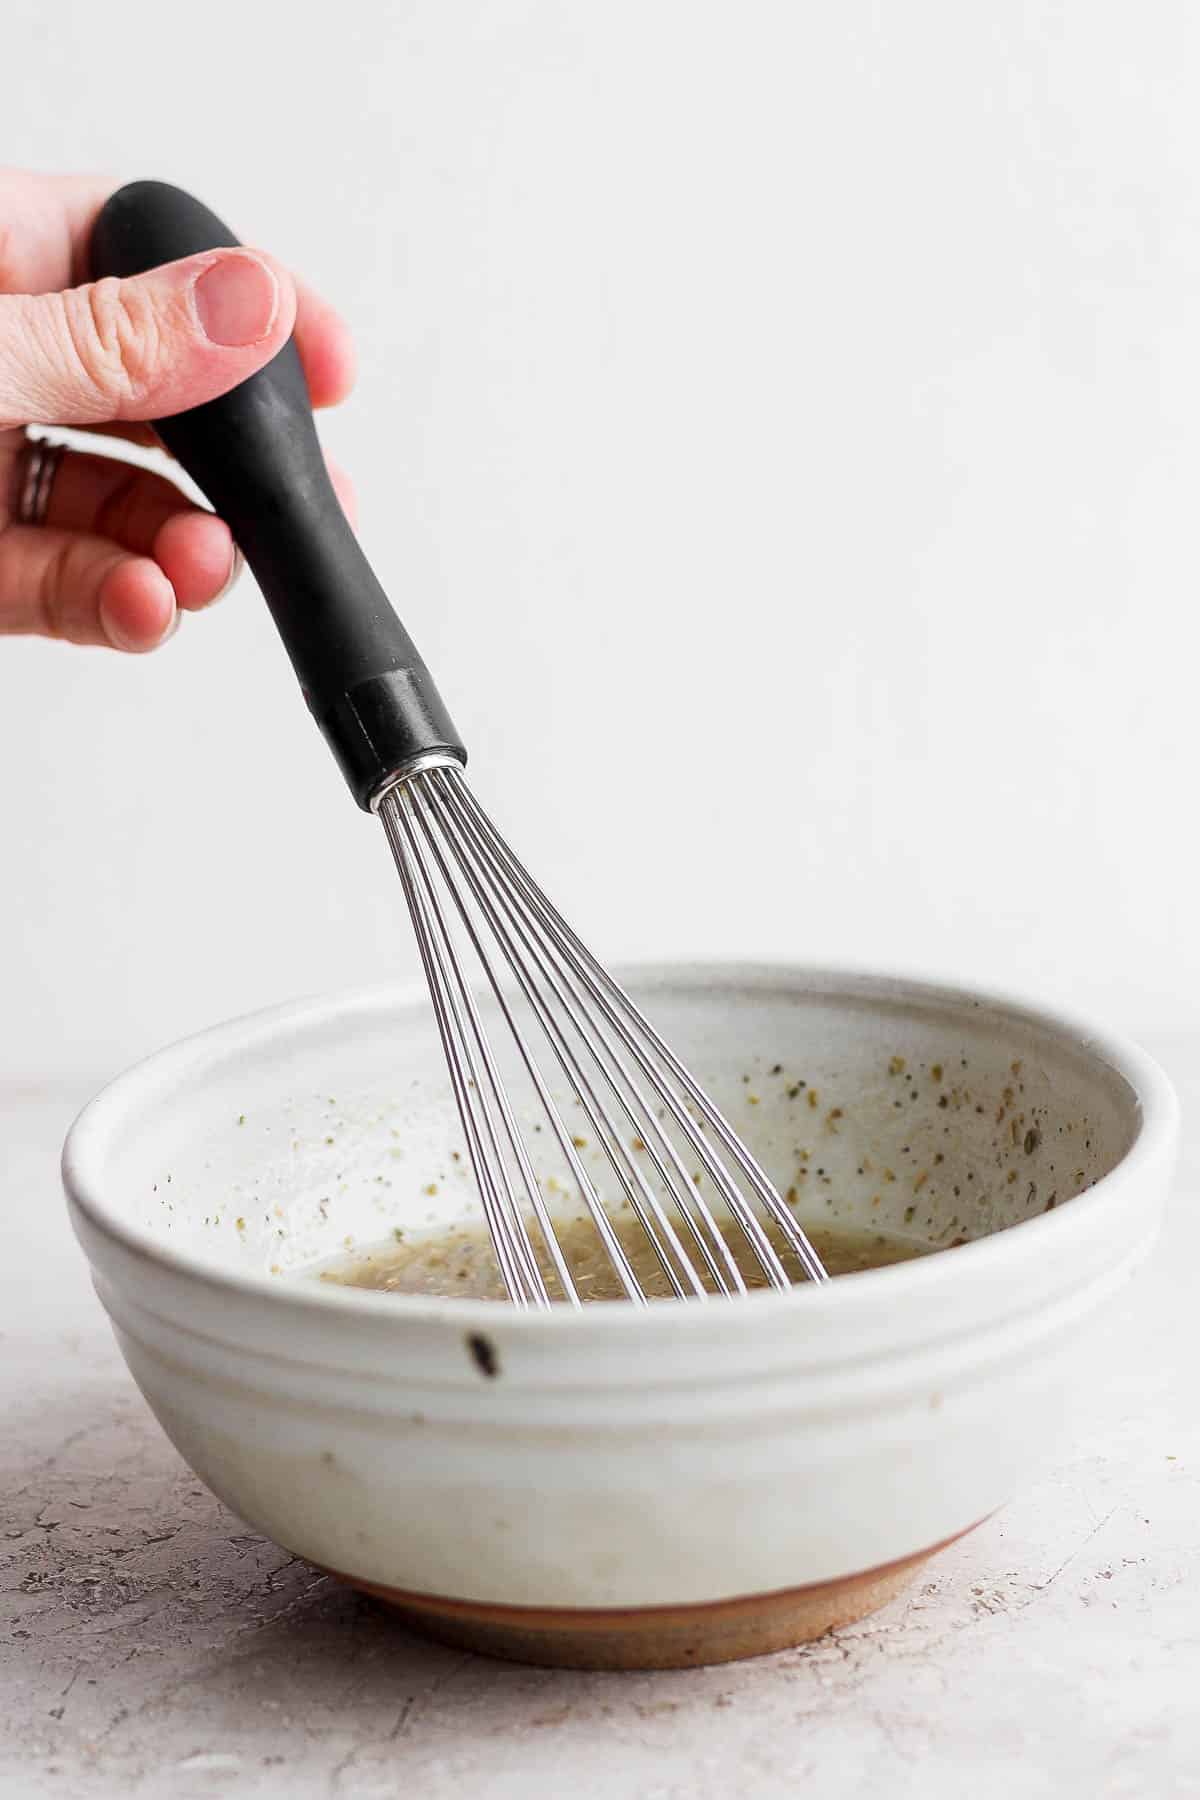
column 1155, row 1133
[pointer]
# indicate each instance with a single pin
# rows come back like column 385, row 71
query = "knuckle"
column 115, row 514
column 53, row 588
column 115, row 339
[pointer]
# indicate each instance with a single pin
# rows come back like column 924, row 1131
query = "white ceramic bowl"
column 676, row 1483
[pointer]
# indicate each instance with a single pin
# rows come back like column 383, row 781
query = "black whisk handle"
column 254, row 453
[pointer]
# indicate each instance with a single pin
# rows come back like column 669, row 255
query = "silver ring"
column 37, row 480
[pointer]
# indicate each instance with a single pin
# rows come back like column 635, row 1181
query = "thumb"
column 144, row 348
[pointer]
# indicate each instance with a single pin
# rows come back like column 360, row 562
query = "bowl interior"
column 273, row 1144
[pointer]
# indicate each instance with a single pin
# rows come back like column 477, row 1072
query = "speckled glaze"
column 618, row 1461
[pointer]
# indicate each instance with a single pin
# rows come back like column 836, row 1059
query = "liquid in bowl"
column 459, row 1263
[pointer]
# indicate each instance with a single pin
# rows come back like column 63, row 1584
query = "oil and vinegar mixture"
column 459, row 1263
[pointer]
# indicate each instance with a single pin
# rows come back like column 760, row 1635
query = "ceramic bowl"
column 620, row 1486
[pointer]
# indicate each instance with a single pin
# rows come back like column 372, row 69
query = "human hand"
column 110, row 553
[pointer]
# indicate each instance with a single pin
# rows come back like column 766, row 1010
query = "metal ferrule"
column 416, row 765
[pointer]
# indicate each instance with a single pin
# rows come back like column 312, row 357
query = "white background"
column 780, row 427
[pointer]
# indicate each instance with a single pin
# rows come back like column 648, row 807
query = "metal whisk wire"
column 615, row 1065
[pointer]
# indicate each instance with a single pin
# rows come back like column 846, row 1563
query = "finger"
column 144, row 348
column 326, row 348
column 84, row 590
column 145, row 513
column 196, row 552
column 47, row 227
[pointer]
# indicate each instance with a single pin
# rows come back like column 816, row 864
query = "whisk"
column 584, row 1050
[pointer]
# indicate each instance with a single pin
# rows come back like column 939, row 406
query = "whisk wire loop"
column 521, row 949
column 513, row 1251
column 642, row 1106
column 602, row 982
column 558, row 1124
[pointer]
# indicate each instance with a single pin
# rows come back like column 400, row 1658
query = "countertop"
column 151, row 1645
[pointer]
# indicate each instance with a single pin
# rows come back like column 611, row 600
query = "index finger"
column 47, row 223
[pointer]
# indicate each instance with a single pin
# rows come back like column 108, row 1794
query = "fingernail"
column 236, row 564
column 236, row 299
column 172, row 628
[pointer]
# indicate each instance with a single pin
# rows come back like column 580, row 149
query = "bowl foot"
column 653, row 1637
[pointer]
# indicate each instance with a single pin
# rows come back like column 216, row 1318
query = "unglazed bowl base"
column 653, row 1637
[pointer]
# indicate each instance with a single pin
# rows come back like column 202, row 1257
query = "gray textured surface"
column 151, row 1646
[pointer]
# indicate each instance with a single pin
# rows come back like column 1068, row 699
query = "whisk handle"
column 254, row 453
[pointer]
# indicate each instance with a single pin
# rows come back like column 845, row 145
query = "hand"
column 120, row 552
